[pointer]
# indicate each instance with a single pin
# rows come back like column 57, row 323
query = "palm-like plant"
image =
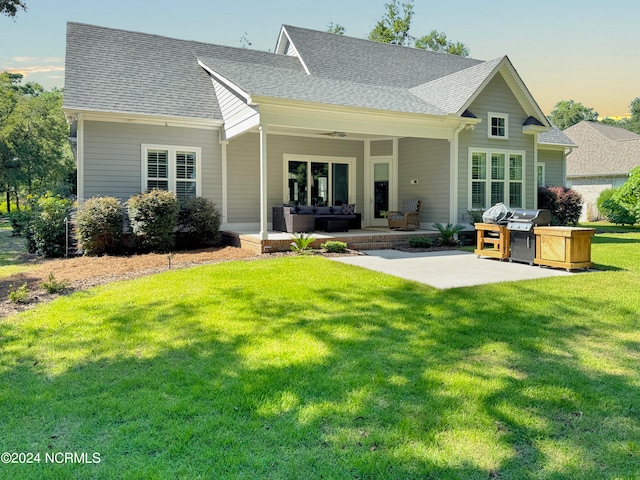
column 448, row 232
column 301, row 243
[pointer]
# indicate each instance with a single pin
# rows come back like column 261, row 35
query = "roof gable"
column 340, row 57
column 279, row 81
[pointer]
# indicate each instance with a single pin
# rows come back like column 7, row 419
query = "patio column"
column 264, row 229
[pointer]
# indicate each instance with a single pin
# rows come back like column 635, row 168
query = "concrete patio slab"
column 448, row 269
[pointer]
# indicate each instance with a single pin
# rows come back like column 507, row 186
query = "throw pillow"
column 323, row 211
column 410, row 205
column 348, row 208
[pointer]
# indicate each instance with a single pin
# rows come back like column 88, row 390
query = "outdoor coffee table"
column 333, row 224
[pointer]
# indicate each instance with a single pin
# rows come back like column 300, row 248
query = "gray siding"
column 234, row 109
column 497, row 98
column 426, row 161
column 243, row 166
column 553, row 161
column 381, row 148
column 113, row 163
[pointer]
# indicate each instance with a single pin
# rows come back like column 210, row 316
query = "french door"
column 319, row 181
column 382, row 190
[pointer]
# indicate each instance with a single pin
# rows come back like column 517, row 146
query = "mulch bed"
column 81, row 273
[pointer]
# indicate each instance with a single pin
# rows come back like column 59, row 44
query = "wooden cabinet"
column 563, row 247
column 492, row 241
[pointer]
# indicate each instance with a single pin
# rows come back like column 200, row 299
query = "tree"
column 633, row 123
column 394, row 27
column 335, row 28
column 628, row 195
column 568, row 112
column 34, row 150
column 10, row 7
column 437, row 42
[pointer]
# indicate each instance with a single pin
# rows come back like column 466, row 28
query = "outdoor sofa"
column 307, row 218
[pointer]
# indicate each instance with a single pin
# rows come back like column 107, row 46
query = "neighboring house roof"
column 117, row 71
column 603, row 150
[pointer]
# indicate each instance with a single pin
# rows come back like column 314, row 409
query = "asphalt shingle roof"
column 287, row 83
column 363, row 61
column 602, row 149
column 112, row 70
column 451, row 92
column 555, row 136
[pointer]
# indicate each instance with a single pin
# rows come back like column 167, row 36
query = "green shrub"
column 448, row 232
column 153, row 217
column 302, row 243
column 604, row 195
column 565, row 204
column 334, row 247
column 18, row 295
column 99, row 225
column 53, row 285
column 20, row 220
column 46, row 231
column 198, row 223
column 422, row 242
column 617, row 213
column 475, row 216
column 628, row 195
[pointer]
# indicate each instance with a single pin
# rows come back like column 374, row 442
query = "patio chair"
column 408, row 218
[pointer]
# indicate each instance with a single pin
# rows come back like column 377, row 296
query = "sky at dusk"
column 586, row 51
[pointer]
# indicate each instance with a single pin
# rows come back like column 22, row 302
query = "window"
column 498, row 125
column 496, row 176
column 540, row 175
column 171, row 168
column 320, row 181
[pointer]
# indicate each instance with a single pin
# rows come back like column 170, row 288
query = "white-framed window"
column 498, row 124
column 318, row 180
column 174, row 168
column 540, row 175
column 496, row 176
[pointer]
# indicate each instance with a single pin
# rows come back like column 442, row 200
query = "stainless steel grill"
column 523, row 239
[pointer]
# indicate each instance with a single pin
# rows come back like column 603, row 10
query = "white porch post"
column 454, row 157
column 264, row 229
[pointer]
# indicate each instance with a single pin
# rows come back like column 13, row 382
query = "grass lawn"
column 300, row 367
column 11, row 251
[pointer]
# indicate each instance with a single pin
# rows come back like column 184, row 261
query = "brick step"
column 372, row 245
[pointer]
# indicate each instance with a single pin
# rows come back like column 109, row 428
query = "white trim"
column 524, row 95
column 541, row 164
column 394, row 175
column 368, row 207
column 135, row 118
column 505, row 117
column 172, row 150
column 264, row 228
column 393, row 187
column 80, row 157
column 488, row 152
column 284, row 31
column 454, row 184
column 225, row 186
column 225, row 81
column 351, row 161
